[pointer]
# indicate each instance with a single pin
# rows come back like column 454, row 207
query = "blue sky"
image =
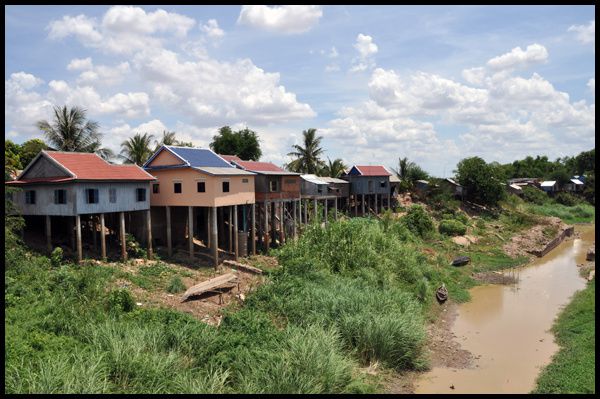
column 432, row 83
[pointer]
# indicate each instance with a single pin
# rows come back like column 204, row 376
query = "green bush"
column 567, row 199
column 418, row 221
column 176, row 285
column 121, row 300
column 56, row 257
column 134, row 249
column 452, row 228
column 535, row 195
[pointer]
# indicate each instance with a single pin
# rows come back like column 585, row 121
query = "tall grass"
column 582, row 213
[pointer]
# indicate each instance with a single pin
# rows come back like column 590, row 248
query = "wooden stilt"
column 281, row 223
column 169, row 243
column 389, row 202
column 315, row 212
column 208, row 227
column 123, row 243
column 214, row 238
column 71, row 235
column 230, row 228
column 273, row 221
column 48, row 234
column 326, row 203
column 266, row 228
column 305, row 211
column 362, row 203
column 253, row 229
column 335, row 209
column 78, row 233
column 376, row 198
column 191, row 231
column 294, row 228
column 102, row 238
column 94, row 234
column 149, row 227
column 235, row 232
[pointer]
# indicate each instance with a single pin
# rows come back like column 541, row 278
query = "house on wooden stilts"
column 199, row 195
column 369, row 187
column 315, row 190
column 81, row 199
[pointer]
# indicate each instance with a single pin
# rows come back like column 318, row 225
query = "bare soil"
column 533, row 239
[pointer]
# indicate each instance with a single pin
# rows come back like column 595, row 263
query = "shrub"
column 176, row 285
column 56, row 257
column 567, row 199
column 121, row 300
column 134, row 249
column 418, row 221
column 452, row 228
column 535, row 195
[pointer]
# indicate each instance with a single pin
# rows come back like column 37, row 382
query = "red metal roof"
column 88, row 166
column 230, row 158
column 255, row 166
column 373, row 170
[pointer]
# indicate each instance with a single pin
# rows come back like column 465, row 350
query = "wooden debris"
column 243, row 267
column 210, row 285
column 591, row 254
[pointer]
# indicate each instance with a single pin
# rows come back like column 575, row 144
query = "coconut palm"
column 409, row 172
column 137, row 148
column 307, row 157
column 168, row 138
column 72, row 131
column 333, row 169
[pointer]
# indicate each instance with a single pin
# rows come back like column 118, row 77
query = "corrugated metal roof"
column 576, row 181
column 332, row 180
column 394, row 179
column 516, row 187
column 548, row 183
column 230, row 158
column 256, row 166
column 313, row 179
column 225, row 171
column 368, row 170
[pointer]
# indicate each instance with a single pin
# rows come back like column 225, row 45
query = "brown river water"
column 506, row 328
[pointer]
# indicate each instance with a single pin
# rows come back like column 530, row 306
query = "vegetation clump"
column 418, row 221
column 452, row 227
column 176, row 285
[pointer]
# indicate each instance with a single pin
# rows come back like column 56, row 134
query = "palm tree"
column 70, row 131
column 137, row 149
column 333, row 169
column 307, row 157
column 409, row 172
column 168, row 138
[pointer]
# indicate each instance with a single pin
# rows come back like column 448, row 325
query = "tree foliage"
column 307, row 156
column 137, row 149
column 30, row 149
column 480, row 180
column 170, row 138
column 409, row 172
column 12, row 159
column 333, row 169
column 243, row 143
column 72, row 131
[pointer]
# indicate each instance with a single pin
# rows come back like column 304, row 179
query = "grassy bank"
column 346, row 296
column 573, row 368
column 581, row 213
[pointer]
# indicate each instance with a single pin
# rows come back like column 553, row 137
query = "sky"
column 434, row 84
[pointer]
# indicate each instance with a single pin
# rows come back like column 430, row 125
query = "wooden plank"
column 244, row 267
column 209, row 285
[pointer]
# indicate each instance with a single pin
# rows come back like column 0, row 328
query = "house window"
column 92, row 195
column 177, row 187
column 112, row 195
column 382, row 184
column 273, row 186
column 244, row 180
column 156, row 188
column 140, row 194
column 30, row 197
column 225, row 186
column 370, row 185
column 319, row 189
column 201, row 186
column 60, row 196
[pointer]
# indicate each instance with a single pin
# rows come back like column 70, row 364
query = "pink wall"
column 239, row 192
column 166, row 158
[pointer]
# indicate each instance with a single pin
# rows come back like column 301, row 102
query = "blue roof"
column 195, row 157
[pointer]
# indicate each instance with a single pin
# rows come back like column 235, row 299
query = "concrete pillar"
column 253, row 229
column 235, row 232
column 191, row 231
column 78, row 233
column 48, row 234
column 169, row 243
column 215, row 237
column 295, row 213
column 266, row 228
column 149, row 227
column 221, row 226
column 230, row 228
column 123, row 243
column 102, row 238
column 335, row 209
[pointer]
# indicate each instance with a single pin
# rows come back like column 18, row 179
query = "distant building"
column 549, row 186
column 370, row 185
column 457, row 189
column 421, row 186
column 574, row 185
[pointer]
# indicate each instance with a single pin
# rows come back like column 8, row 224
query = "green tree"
column 409, row 172
column 72, row 131
column 12, row 159
column 333, row 169
column 30, row 149
column 137, row 149
column 480, row 180
column 308, row 156
column 169, row 138
column 243, row 143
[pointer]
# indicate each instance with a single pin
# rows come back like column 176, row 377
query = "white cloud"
column 80, row 64
column 212, row 30
column 517, row 58
column 23, row 106
column 366, row 50
column 332, row 68
column 288, row 19
column 104, row 75
column 592, row 85
column 333, row 53
column 474, row 76
column 585, row 33
column 82, row 27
